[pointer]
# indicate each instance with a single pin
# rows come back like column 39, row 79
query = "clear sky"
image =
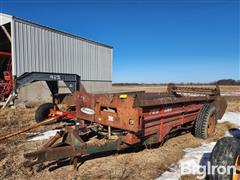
column 154, row 41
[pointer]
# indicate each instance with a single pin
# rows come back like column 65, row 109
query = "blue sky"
column 154, row 41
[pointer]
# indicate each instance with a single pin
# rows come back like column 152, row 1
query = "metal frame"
column 6, row 33
column 118, row 121
column 5, row 54
column 71, row 80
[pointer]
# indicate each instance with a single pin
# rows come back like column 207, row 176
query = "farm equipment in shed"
column 6, row 79
column 119, row 120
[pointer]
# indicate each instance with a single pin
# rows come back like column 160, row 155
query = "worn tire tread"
column 224, row 154
column 202, row 119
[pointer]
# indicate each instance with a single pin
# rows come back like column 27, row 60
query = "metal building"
column 37, row 48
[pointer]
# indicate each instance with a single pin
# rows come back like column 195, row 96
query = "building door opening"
column 6, row 79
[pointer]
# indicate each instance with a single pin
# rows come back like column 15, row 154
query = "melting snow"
column 196, row 157
column 193, row 158
column 44, row 135
column 233, row 117
column 230, row 93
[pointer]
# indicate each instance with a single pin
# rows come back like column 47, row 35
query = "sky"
column 155, row 41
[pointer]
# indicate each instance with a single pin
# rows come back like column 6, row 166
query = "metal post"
column 6, row 33
column 109, row 132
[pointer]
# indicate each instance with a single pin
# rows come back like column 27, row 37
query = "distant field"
column 162, row 88
column 231, row 93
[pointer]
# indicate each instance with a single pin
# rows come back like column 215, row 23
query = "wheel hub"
column 211, row 125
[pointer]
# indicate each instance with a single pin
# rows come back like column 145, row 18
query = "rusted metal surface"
column 211, row 124
column 123, row 120
column 221, row 104
column 170, row 100
column 131, row 138
column 110, row 110
column 206, row 91
column 57, row 136
column 72, row 145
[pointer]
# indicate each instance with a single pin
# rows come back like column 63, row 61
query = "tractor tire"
column 43, row 112
column 206, row 121
column 225, row 154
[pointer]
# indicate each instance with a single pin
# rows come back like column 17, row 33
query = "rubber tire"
column 224, row 153
column 201, row 124
column 43, row 111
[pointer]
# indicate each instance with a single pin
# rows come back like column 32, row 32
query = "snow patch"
column 44, row 135
column 230, row 94
column 196, row 157
column 193, row 158
column 232, row 117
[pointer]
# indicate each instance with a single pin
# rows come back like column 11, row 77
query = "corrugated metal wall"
column 41, row 49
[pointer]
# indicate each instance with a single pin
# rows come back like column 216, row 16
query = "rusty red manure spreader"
column 118, row 120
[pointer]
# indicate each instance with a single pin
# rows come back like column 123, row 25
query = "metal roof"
column 5, row 18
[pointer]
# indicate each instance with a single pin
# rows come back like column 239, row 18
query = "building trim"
column 17, row 19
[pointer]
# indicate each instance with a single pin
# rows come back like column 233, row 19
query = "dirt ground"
column 142, row 164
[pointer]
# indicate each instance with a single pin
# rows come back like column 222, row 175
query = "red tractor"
column 6, row 79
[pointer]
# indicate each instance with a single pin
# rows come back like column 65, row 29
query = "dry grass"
column 144, row 164
column 233, row 103
column 12, row 119
column 162, row 88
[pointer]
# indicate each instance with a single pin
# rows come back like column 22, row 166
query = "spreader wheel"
column 225, row 154
column 43, row 112
column 211, row 124
column 206, row 121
